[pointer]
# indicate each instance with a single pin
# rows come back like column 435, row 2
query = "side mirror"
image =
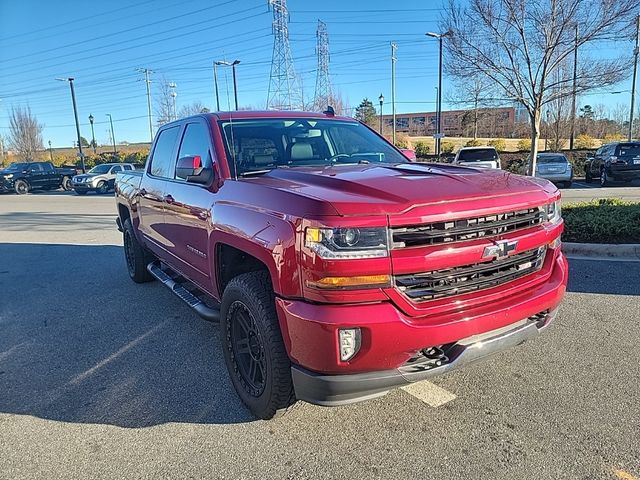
column 191, row 169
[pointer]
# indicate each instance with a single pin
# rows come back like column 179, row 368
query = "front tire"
column 103, row 187
column 254, row 351
column 136, row 257
column 21, row 187
column 605, row 181
column 81, row 192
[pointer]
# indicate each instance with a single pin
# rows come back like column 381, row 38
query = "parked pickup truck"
column 24, row 177
column 338, row 270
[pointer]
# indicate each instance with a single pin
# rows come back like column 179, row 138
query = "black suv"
column 618, row 161
column 24, row 177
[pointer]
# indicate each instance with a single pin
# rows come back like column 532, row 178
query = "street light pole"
column 393, row 88
column 93, row 135
column 635, row 75
column 439, row 36
column 235, row 85
column 113, row 137
column 75, row 114
column 50, row 152
column 381, row 100
column 215, row 82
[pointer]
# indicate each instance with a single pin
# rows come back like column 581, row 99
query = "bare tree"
column 164, row 102
column 193, row 109
column 519, row 45
column 476, row 94
column 25, row 133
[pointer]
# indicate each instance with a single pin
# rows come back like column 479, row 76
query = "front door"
column 187, row 211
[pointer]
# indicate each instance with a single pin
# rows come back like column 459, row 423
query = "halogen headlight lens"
column 554, row 212
column 8, row 176
column 337, row 243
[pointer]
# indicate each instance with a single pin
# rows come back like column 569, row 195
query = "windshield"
column 17, row 167
column 542, row 159
column 260, row 145
column 478, row 155
column 100, row 169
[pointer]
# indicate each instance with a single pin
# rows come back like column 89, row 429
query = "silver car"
column 100, row 178
column 554, row 167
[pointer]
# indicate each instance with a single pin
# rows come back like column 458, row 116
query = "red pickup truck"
column 338, row 270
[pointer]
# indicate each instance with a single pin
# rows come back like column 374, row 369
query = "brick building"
column 492, row 122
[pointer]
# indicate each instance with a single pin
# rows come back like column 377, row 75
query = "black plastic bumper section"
column 334, row 390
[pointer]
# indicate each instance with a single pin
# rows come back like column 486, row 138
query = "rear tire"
column 567, row 184
column 587, row 176
column 21, row 187
column 81, row 192
column 66, row 184
column 254, row 351
column 136, row 257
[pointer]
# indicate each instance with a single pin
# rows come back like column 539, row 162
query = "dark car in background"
column 27, row 176
column 614, row 162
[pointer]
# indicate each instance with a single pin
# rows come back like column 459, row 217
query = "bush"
column 474, row 142
column 608, row 220
column 515, row 166
column 422, row 149
column 447, row 147
column 402, row 141
column 613, row 137
column 584, row 141
column 524, row 145
column 498, row 143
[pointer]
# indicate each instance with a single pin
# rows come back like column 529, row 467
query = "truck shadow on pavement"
column 82, row 343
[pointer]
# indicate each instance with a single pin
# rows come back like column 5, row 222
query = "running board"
column 206, row 312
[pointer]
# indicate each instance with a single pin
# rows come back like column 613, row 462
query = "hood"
column 394, row 189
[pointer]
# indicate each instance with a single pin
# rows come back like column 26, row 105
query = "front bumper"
column 392, row 337
column 334, row 390
column 85, row 187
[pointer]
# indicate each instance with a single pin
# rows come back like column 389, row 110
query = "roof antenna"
column 329, row 111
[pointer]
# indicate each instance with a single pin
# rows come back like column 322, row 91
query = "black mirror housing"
column 191, row 170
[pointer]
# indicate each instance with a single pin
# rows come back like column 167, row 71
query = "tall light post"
column 381, row 100
column 439, row 36
column 75, row 114
column 215, row 79
column 636, row 51
column 113, row 137
column 394, row 47
column 93, row 135
column 50, row 152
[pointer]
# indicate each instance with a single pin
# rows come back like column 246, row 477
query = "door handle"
column 169, row 199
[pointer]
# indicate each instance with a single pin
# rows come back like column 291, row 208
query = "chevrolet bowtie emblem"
column 501, row 249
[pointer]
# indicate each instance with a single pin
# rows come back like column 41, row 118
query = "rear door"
column 51, row 177
column 159, row 169
column 112, row 175
column 187, row 210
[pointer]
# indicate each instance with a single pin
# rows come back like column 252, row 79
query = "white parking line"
column 429, row 393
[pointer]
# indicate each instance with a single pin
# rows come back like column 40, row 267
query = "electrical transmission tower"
column 323, row 84
column 284, row 89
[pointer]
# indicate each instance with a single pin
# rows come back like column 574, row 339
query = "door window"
column 116, row 169
column 195, row 143
column 162, row 160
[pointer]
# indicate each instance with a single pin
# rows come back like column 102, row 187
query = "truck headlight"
column 347, row 243
column 349, row 342
column 554, row 212
column 8, row 176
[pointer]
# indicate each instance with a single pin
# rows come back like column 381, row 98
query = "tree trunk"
column 535, row 137
column 475, row 120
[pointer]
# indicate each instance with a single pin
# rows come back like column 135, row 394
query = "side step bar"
column 206, row 312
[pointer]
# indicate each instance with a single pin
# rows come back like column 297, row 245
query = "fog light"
column 555, row 243
column 349, row 343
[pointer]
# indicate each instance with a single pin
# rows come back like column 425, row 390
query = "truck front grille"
column 467, row 228
column 468, row 278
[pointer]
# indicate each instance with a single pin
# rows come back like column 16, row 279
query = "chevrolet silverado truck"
column 27, row 176
column 337, row 269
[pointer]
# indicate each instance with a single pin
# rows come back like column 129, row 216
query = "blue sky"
column 102, row 43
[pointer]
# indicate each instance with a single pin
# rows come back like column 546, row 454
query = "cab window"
column 195, row 143
column 162, row 159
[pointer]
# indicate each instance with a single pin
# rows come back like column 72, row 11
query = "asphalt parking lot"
column 100, row 377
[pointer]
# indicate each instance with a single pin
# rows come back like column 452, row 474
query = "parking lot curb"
column 630, row 251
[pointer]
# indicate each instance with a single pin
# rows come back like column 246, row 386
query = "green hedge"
column 608, row 220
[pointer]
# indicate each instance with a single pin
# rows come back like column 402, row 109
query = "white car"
column 100, row 178
column 478, row 157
